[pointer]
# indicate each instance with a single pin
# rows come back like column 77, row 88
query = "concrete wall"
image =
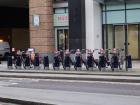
column 93, row 25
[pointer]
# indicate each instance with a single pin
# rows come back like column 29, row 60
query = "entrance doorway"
column 116, row 38
column 62, row 36
column 133, row 40
column 119, row 36
column 14, row 28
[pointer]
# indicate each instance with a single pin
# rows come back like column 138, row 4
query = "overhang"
column 14, row 3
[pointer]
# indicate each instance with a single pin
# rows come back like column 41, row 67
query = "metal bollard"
column 102, row 63
column 114, row 63
column 18, row 62
column 78, row 65
column 36, row 62
column 56, row 64
column 27, row 63
column 90, row 63
column 67, row 61
column 46, row 63
column 129, row 62
column 9, row 62
column 0, row 59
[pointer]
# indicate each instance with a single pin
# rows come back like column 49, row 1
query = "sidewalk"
column 134, row 71
column 84, row 75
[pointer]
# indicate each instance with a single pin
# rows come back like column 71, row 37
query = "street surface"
column 2, row 103
column 74, row 86
column 89, row 92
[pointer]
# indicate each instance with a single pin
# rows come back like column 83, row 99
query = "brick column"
column 42, row 37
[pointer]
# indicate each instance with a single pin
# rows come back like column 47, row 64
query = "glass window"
column 133, row 5
column 133, row 16
column 133, row 40
column 115, row 17
column 110, row 36
column 115, row 6
column 62, row 39
column 104, row 33
column 103, row 7
column 119, row 36
column 103, row 17
column 67, row 10
column 59, row 10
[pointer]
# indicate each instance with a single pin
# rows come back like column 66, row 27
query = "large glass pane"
column 66, row 32
column 133, row 40
column 132, row 5
column 103, row 14
column 115, row 6
column 59, row 10
column 104, row 45
column 61, row 39
column 115, row 17
column 133, row 16
column 119, row 36
column 110, row 36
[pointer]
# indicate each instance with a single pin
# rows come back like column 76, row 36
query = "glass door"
column 132, row 35
column 119, row 36
column 62, row 39
column 133, row 41
column 115, row 38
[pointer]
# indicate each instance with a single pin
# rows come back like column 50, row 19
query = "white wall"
column 93, row 25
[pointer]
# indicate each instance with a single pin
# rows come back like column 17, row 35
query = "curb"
column 21, row 102
column 73, row 78
column 73, row 73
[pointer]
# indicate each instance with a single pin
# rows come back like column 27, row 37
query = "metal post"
column 126, row 38
column 106, row 26
column 103, row 26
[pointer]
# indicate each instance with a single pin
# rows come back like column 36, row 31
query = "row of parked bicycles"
column 110, row 58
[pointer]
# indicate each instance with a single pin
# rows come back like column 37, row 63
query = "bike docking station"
column 18, row 62
column 46, row 62
column 67, row 61
column 114, row 60
column 57, row 60
column 27, row 62
column 106, row 60
column 36, row 62
column 102, row 60
column 78, row 60
column 90, row 60
column 129, row 62
column 9, row 62
column 0, row 58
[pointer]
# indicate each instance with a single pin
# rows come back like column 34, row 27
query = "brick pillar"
column 42, row 37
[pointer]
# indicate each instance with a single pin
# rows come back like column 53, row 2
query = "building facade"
column 121, row 26
column 62, row 24
column 72, row 24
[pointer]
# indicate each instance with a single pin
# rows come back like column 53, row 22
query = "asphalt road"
column 74, row 86
column 2, row 103
column 61, row 92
